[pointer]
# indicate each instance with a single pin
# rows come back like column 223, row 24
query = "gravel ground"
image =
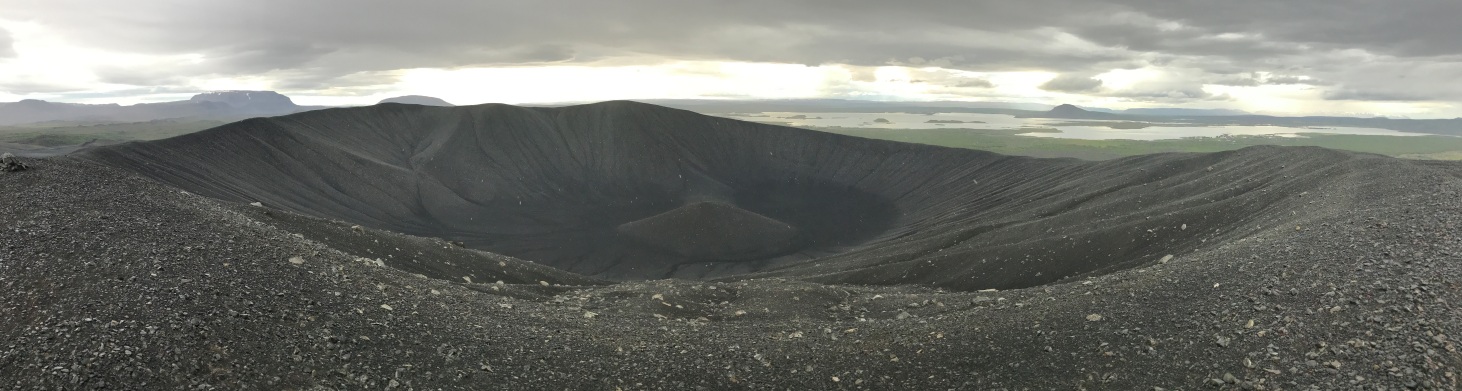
column 110, row 281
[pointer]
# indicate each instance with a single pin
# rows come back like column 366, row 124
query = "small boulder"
column 10, row 163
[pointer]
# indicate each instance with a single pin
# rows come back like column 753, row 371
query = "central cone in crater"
column 712, row 230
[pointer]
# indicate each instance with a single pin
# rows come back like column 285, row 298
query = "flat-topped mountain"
column 262, row 101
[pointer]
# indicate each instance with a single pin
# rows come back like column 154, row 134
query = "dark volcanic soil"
column 1291, row 268
column 560, row 186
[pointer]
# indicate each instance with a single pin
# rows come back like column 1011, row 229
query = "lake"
column 1040, row 126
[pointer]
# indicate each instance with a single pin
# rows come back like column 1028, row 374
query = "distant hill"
column 1072, row 112
column 418, row 100
column 263, row 101
column 1067, row 109
column 219, row 105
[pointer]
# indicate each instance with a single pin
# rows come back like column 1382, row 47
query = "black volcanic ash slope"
column 624, row 190
column 111, row 281
column 1293, row 268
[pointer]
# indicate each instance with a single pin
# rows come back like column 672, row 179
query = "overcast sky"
column 1354, row 57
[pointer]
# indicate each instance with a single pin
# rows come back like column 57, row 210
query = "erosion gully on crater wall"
column 629, row 191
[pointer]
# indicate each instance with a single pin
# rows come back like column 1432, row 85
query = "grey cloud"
column 1236, row 81
column 313, row 81
column 269, row 55
column 1352, row 94
column 320, row 42
column 1176, row 87
column 1392, row 79
column 1285, row 80
column 1257, row 79
column 863, row 74
column 139, row 76
column 974, row 83
column 26, row 87
column 1292, row 79
column 7, row 44
column 1186, row 41
column 946, row 78
column 1171, row 95
column 1179, row 85
column 1072, row 83
column 1403, row 28
column 442, row 33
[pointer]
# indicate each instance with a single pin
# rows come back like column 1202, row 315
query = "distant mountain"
column 418, row 100
column 1068, row 111
column 219, row 105
column 251, row 100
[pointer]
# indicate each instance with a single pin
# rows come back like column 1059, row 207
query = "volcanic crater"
column 629, row 191
column 620, row 245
